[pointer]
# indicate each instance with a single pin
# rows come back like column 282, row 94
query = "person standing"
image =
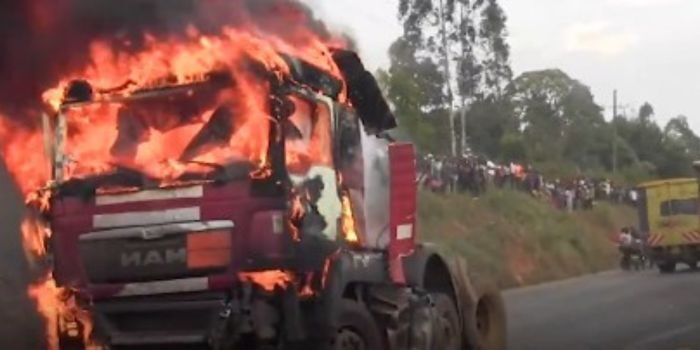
column 569, row 194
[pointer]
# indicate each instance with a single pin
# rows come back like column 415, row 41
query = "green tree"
column 646, row 112
column 559, row 118
column 678, row 131
column 665, row 152
column 467, row 41
column 414, row 88
column 493, row 37
column 487, row 122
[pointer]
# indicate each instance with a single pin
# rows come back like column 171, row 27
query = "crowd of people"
column 473, row 174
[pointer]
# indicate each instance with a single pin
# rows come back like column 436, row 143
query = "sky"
column 649, row 50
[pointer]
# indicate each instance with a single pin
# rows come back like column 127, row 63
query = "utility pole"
column 448, row 80
column 614, row 145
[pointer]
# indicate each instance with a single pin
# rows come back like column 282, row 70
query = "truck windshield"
column 168, row 137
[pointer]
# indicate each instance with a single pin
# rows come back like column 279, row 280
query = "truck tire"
column 491, row 320
column 357, row 329
column 448, row 332
column 667, row 267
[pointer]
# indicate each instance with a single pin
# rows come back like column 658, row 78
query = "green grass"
column 514, row 239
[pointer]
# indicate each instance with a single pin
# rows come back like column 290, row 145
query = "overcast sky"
column 648, row 49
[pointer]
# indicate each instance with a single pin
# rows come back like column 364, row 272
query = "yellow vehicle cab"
column 668, row 217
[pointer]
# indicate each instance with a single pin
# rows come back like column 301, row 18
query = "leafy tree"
column 414, row 88
column 646, row 112
column 493, row 39
column 666, row 153
column 425, row 25
column 559, row 118
column 678, row 131
column 455, row 52
column 487, row 122
column 466, row 40
column 512, row 147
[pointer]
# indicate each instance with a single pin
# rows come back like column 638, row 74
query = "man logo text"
column 154, row 257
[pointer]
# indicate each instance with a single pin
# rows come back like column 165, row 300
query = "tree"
column 425, row 25
column 493, row 39
column 559, row 118
column 414, row 88
column 452, row 34
column 487, row 122
column 646, row 112
column 677, row 130
column 468, row 67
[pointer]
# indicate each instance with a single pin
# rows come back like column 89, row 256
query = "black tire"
column 667, row 267
column 357, row 329
column 448, row 329
column 491, row 320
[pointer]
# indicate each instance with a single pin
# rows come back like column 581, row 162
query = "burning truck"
column 236, row 190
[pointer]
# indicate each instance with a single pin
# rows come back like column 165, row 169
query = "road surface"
column 613, row 310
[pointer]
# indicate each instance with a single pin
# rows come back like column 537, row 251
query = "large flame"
column 57, row 305
column 113, row 65
column 94, row 129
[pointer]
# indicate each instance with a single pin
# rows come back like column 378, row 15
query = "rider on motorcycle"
column 633, row 248
column 626, row 247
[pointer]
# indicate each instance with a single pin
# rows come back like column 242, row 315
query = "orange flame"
column 347, row 220
column 58, row 306
column 268, row 280
column 93, row 129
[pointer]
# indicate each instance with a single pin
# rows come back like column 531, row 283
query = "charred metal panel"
column 316, row 78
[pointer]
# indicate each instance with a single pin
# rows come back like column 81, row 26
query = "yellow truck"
column 668, row 218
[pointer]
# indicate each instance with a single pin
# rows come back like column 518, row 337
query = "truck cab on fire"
column 294, row 230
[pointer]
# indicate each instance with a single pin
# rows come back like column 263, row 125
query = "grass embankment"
column 514, row 239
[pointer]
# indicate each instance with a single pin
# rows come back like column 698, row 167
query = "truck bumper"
column 689, row 253
column 161, row 321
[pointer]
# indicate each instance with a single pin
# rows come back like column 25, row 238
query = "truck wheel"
column 357, row 329
column 667, row 267
column 448, row 328
column 491, row 320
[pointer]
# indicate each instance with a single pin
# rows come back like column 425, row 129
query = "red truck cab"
column 310, row 243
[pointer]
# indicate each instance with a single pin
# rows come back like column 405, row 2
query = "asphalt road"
column 613, row 310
